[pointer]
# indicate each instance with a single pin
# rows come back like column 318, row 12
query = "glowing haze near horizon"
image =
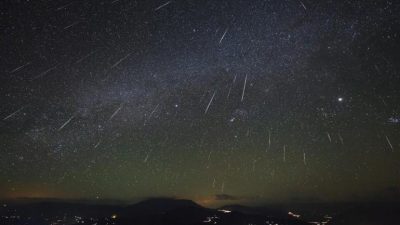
column 216, row 101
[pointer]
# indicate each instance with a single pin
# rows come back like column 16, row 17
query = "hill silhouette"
column 157, row 206
column 153, row 211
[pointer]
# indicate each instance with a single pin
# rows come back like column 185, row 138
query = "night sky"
column 212, row 100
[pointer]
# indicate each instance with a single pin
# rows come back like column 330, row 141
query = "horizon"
column 208, row 203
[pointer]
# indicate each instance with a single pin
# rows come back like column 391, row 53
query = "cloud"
column 226, row 197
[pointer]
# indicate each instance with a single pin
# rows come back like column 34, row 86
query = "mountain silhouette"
column 154, row 211
column 157, row 206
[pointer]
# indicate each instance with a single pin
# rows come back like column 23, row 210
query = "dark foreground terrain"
column 185, row 212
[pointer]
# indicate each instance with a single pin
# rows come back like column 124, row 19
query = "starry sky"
column 215, row 101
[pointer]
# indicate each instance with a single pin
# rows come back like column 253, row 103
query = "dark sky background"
column 213, row 100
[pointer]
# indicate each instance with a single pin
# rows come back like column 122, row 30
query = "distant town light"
column 294, row 215
column 225, row 211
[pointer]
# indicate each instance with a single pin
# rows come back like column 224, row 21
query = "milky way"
column 255, row 100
